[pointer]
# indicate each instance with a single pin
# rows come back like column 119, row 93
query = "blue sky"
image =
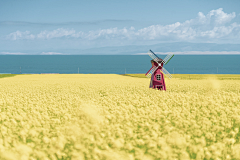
column 42, row 27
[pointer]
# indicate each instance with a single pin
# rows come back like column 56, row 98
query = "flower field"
column 117, row 117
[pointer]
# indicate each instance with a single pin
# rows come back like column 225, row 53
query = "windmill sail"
column 168, row 58
column 153, row 56
column 151, row 71
column 164, row 71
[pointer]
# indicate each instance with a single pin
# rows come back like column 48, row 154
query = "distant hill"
column 161, row 47
column 135, row 49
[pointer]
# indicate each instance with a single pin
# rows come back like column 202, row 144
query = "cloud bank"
column 21, row 53
column 196, row 53
column 159, row 53
column 13, row 53
column 214, row 27
column 51, row 53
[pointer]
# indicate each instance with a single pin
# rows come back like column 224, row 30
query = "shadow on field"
column 7, row 75
column 195, row 76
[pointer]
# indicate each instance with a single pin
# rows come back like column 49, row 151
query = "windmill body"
column 158, row 78
column 157, row 71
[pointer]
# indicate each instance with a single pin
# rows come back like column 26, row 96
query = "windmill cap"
column 159, row 61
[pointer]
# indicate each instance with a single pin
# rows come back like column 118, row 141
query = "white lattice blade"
column 168, row 57
column 149, row 75
column 153, row 56
column 166, row 73
column 151, row 71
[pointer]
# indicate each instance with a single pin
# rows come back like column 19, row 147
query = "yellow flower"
column 105, row 116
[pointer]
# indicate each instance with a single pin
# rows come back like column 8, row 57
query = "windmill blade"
column 153, row 56
column 151, row 71
column 164, row 71
column 168, row 58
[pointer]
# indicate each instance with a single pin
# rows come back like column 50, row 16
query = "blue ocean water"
column 117, row 64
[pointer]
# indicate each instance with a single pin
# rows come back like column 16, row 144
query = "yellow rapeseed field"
column 116, row 117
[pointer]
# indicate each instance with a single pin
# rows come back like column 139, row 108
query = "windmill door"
column 159, row 87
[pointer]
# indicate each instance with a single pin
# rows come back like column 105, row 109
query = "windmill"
column 157, row 71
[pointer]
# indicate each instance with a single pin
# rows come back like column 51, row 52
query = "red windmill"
column 157, row 71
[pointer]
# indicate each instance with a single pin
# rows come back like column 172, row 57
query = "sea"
column 116, row 64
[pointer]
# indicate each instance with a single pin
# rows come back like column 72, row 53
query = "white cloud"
column 20, row 53
column 13, row 53
column 220, row 17
column 20, row 35
column 51, row 53
column 55, row 33
column 197, row 53
column 213, row 27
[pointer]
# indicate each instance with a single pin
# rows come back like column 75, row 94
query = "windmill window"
column 158, row 76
